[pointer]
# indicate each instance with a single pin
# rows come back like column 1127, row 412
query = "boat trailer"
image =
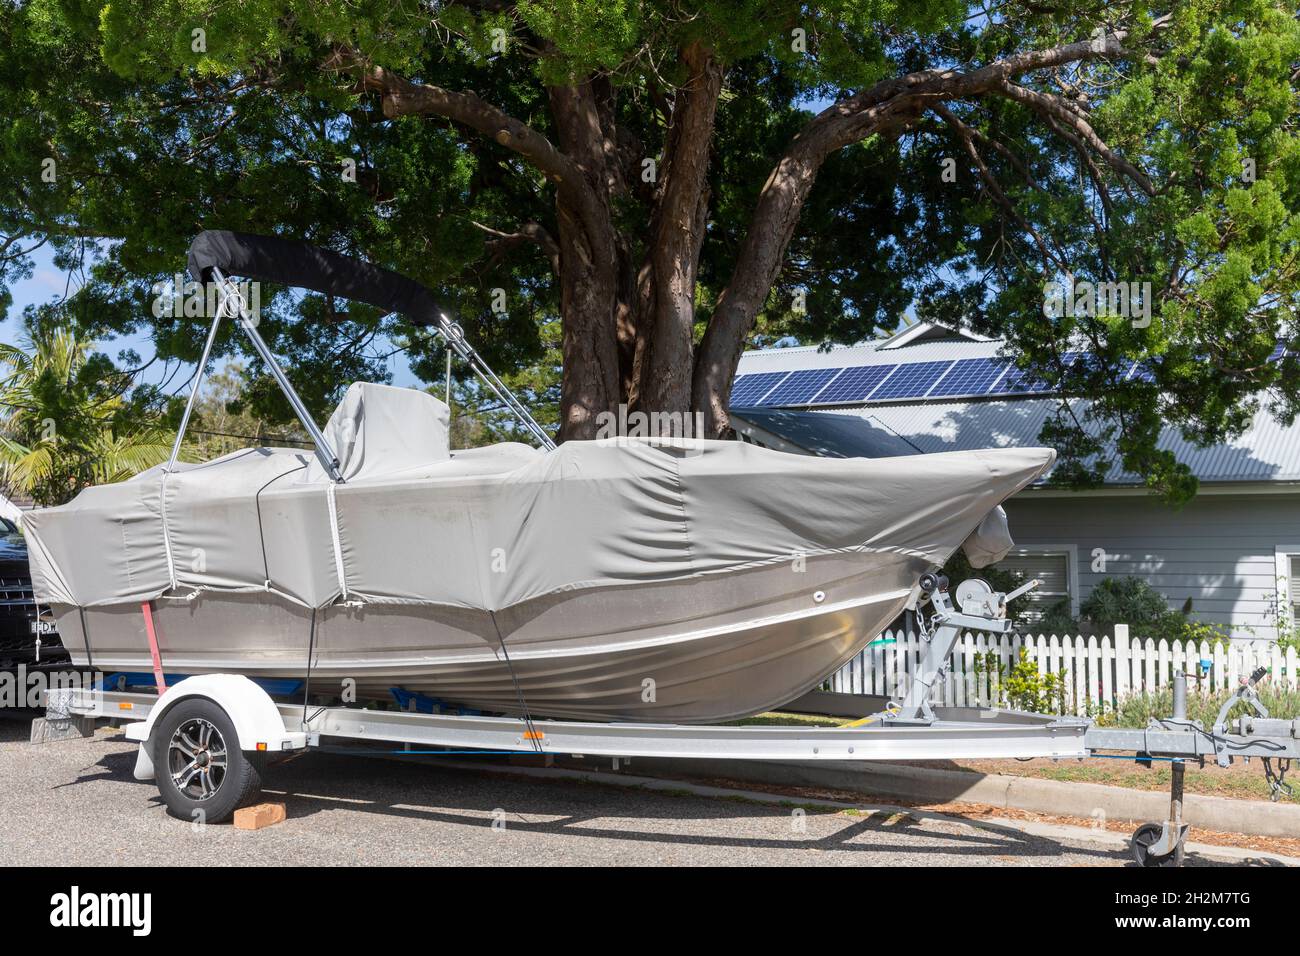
column 911, row 728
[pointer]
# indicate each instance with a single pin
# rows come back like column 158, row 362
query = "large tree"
column 670, row 177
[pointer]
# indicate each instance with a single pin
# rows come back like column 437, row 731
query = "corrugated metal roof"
column 1268, row 451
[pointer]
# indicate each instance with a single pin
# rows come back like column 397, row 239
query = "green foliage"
column 67, row 423
column 158, row 131
column 223, row 421
column 1128, row 600
column 1282, row 619
column 588, row 35
column 1137, row 710
column 1021, row 687
column 1134, row 602
column 1058, row 619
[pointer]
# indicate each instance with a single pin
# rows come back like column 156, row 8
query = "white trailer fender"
column 257, row 720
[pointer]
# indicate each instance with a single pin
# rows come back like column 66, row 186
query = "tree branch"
column 1049, row 106
column 967, row 137
column 402, row 97
column 528, row 232
column 889, row 105
column 679, row 231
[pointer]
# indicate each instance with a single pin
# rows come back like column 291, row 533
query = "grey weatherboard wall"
column 1219, row 550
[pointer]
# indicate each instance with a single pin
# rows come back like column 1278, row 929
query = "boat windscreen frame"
column 216, row 254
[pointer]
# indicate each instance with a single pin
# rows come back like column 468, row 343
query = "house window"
column 1293, row 587
column 1288, row 582
column 1291, row 597
column 1052, row 567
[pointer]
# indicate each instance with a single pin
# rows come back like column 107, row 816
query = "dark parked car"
column 27, row 636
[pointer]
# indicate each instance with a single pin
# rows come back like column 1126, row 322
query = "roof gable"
column 920, row 332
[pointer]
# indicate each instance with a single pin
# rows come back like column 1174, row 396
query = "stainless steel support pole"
column 323, row 450
column 194, row 391
column 455, row 337
column 932, row 669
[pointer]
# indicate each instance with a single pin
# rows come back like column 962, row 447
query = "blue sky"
column 46, row 284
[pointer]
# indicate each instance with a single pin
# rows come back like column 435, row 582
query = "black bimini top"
column 292, row 263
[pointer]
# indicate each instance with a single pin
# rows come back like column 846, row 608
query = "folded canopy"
column 293, row 263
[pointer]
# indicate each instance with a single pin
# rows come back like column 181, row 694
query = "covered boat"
column 657, row 579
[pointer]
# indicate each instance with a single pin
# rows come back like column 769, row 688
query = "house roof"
column 920, row 332
column 1268, row 451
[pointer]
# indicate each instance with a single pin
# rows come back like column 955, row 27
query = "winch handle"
column 1022, row 590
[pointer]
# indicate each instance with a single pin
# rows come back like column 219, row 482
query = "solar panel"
column 854, row 384
column 965, row 378
column 1141, row 373
column 1125, row 369
column 748, row 389
column 970, row 377
column 1017, row 381
column 1089, row 360
column 912, row 380
column 800, row 387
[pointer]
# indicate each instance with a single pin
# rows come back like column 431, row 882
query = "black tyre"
column 1145, row 837
column 201, row 772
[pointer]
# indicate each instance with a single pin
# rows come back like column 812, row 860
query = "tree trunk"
column 675, row 253
column 589, row 271
column 773, row 224
column 590, row 384
column 777, row 213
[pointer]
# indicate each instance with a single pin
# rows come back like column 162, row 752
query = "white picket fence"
column 1097, row 672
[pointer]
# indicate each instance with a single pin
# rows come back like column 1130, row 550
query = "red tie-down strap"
column 159, row 682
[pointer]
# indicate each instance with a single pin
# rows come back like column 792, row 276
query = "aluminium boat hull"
column 769, row 635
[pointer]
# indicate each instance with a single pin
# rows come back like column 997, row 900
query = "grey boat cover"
column 488, row 528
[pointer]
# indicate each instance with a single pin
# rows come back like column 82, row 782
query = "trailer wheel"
column 1145, row 837
column 202, row 774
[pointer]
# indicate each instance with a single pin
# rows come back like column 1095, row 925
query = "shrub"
column 1137, row 710
column 1057, row 619
column 1022, row 687
column 1134, row 602
column 1126, row 601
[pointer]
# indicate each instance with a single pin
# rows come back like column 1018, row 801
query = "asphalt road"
column 76, row 803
